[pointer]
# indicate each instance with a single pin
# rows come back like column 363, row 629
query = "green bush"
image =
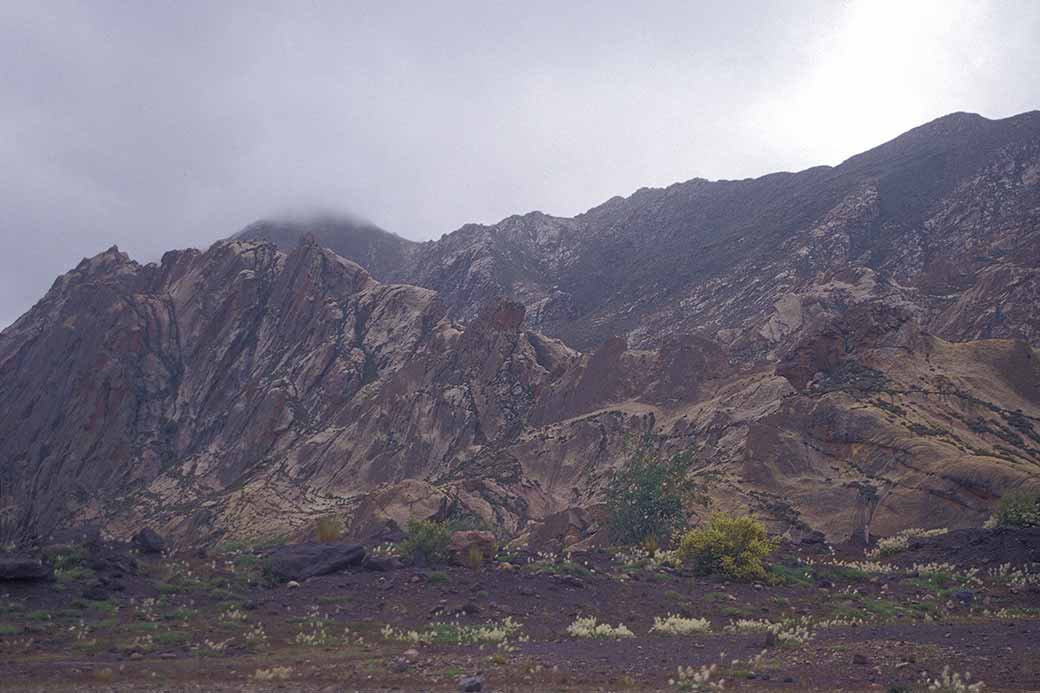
column 646, row 497
column 731, row 546
column 426, row 540
column 1018, row 509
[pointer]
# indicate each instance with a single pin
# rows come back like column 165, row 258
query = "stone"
column 298, row 562
column 148, row 541
column 17, row 569
column 382, row 564
column 469, row 543
column 471, row 684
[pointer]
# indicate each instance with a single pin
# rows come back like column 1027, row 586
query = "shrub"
column 474, row 558
column 679, row 625
column 732, row 546
column 329, row 529
column 1018, row 509
column 890, row 546
column 588, row 627
column 646, row 497
column 427, row 540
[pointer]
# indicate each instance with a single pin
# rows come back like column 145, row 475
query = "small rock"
column 292, row 584
column 471, row 684
column 770, row 640
column 411, row 654
column 469, row 608
column 399, row 665
column 859, row 660
column 571, row 581
column 964, row 596
column 95, row 593
column 147, row 540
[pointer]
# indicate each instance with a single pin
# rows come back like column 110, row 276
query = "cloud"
column 160, row 125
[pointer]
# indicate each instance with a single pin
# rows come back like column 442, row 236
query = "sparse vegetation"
column 328, row 529
column 646, row 497
column 457, row 634
column 952, row 682
column 731, row 546
column 1018, row 509
column 589, row 627
column 690, row 679
column 273, row 674
column 473, row 558
column 426, row 541
column 680, row 625
column 890, row 546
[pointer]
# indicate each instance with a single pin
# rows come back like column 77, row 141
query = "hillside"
column 847, row 350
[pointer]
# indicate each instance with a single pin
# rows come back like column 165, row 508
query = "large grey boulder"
column 15, row 568
column 301, row 561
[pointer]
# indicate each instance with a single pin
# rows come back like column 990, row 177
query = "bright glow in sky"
column 161, row 125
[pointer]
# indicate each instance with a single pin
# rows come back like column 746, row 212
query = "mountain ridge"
column 846, row 350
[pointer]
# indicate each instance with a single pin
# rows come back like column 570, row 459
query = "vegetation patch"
column 1017, row 509
column 731, row 546
column 426, row 541
column 646, row 497
column 680, row 625
column 589, row 627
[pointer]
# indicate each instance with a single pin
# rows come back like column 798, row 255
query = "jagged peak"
column 107, row 260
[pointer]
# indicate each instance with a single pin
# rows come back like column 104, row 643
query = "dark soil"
column 112, row 621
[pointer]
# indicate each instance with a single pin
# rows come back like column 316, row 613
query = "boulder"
column 148, row 541
column 22, row 569
column 387, row 509
column 471, row 684
column 570, row 529
column 297, row 562
column 383, row 564
column 462, row 543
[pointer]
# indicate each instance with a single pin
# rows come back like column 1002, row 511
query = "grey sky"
column 157, row 125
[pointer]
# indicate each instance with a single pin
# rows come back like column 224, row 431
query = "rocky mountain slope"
column 844, row 350
column 945, row 218
column 380, row 252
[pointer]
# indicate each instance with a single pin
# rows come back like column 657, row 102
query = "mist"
column 164, row 125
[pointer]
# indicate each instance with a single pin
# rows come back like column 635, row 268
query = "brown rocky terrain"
column 847, row 350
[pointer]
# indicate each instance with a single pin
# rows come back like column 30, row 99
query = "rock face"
column 945, row 218
column 851, row 350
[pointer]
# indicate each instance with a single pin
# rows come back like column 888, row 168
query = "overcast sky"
column 156, row 125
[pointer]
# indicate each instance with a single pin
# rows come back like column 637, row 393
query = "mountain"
column 847, row 350
column 945, row 217
column 377, row 250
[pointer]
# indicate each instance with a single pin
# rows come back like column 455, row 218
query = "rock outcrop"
column 832, row 346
